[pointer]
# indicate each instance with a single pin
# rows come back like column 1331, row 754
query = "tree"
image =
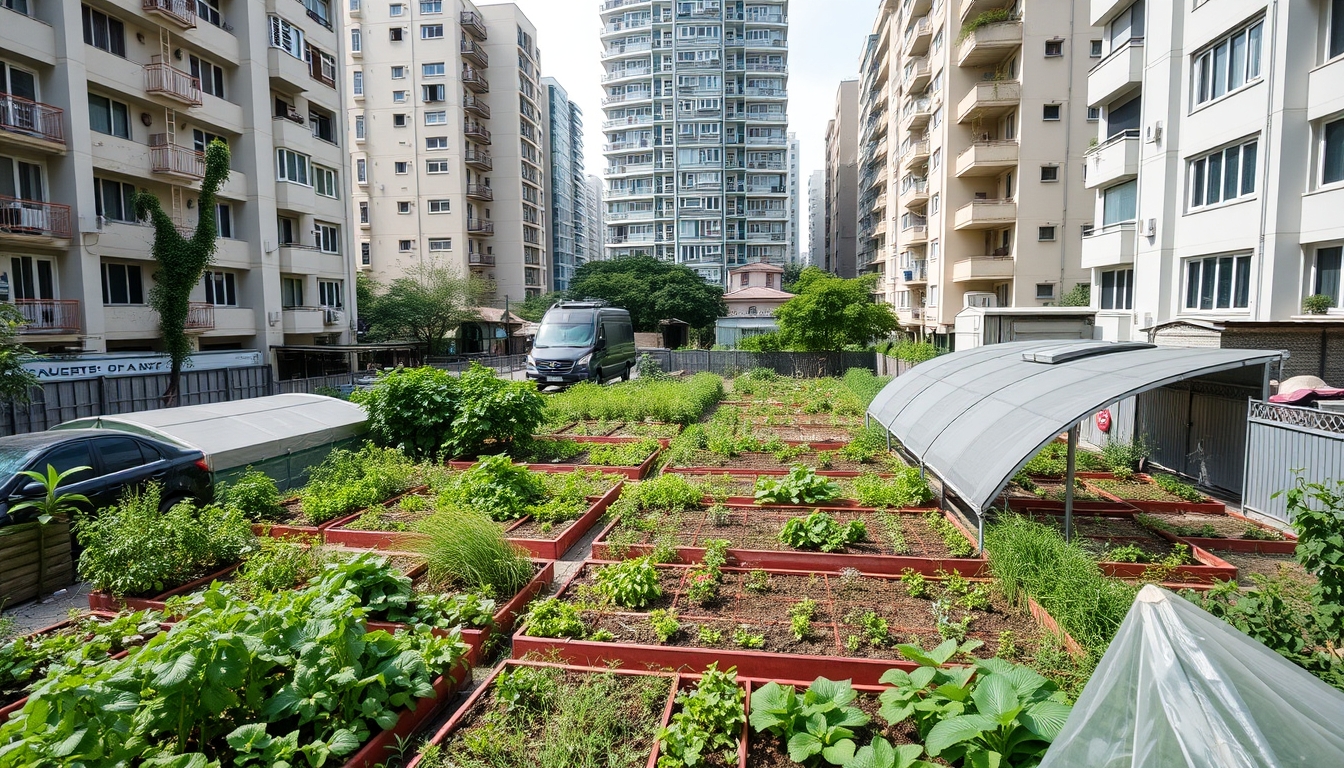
column 182, row 261
column 14, row 378
column 425, row 305
column 829, row 313
column 792, row 271
column 533, row 308
column 651, row 290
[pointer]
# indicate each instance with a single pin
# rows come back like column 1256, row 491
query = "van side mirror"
column 601, row 344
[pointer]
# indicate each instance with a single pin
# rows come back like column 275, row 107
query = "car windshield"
column 564, row 335
column 13, row 459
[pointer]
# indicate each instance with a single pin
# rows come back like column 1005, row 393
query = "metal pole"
column 980, row 533
column 1068, row 483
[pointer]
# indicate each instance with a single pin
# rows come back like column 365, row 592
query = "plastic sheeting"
column 1179, row 687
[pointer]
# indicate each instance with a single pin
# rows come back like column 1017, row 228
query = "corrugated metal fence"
column 1198, row 430
column 732, row 362
column 1283, row 439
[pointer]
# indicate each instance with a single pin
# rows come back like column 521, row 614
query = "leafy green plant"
column 800, row 486
column 757, row 581
column 496, row 486
column 254, row 494
column 864, row 384
column 708, row 720
column 622, row 454
column 1317, row 304
column 821, row 722
column 875, row 628
column 743, row 638
column 906, row 488
column 492, row 411
column 554, row 617
column 446, row 610
column 52, row 504
column 801, row 614
column 349, row 480
column 673, row 401
column 1013, row 715
column 667, row 493
column 1122, row 458
column 865, row 445
column 278, row 564
column 710, row 636
column 526, row 689
column 1007, row 646
column 469, row 549
column 412, row 409
column 630, row 584
column 984, row 19
column 914, row 582
column 821, row 531
column 87, row 641
column 547, row 451
column 665, row 624
column 1181, row 490
column 956, row 542
column 702, row 584
column 133, row 549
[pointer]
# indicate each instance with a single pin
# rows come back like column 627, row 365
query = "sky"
column 825, row 42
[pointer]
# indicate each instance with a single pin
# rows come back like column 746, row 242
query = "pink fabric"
column 1308, row 395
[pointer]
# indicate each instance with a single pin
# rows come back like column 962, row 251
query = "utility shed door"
column 1200, row 432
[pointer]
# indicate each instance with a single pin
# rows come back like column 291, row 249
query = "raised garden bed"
column 578, row 462
column 754, row 606
column 753, row 533
column 1046, row 494
column 291, row 523
column 1249, row 564
column 1143, row 494
column 755, row 463
column 377, row 750
column 633, row 429
column 1108, row 532
column 1223, row 532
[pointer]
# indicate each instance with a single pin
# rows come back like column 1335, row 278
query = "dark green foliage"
column 277, row 564
column 708, row 720
column 492, row 410
column 829, row 313
column 425, row 305
column 865, row 385
column 820, row 723
column 497, row 487
column 1079, row 296
column 651, row 290
column 801, row 486
column 254, row 494
column 821, row 531
column 630, row 584
column 89, row 641
column 349, row 480
column 554, row 617
column 910, row 351
column 15, row 380
column 412, row 409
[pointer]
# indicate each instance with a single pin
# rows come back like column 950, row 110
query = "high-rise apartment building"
column 842, row 183
column 105, row 99
column 568, row 185
column 795, row 201
column 696, row 126
column 446, row 118
column 974, row 123
column 1218, row 176
column 816, row 219
column 596, row 219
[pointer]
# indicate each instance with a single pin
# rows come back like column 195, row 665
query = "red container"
column 103, row 601
column 631, row 473
column 737, row 472
column 378, row 749
column 283, row 531
column 1206, row 507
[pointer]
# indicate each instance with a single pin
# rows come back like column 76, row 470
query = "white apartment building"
column 446, row 112
column 596, row 226
column 971, row 113
column 1218, row 175
column 795, row 201
column 568, row 207
column 102, row 99
column 696, row 126
column 816, row 218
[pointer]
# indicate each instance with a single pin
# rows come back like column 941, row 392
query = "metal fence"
column 732, row 363
column 1282, row 440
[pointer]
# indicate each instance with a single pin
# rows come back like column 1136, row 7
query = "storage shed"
column 281, row 435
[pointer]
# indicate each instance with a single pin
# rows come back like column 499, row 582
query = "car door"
column 123, row 467
column 68, row 456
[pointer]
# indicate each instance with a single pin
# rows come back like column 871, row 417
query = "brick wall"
column 1306, row 347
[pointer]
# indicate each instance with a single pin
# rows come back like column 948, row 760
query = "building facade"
column 842, row 183
column 696, row 128
column 568, row 208
column 754, row 293
column 1218, row 176
column 795, row 201
column 816, row 219
column 103, row 100
column 596, row 219
column 974, row 121
column 446, row 117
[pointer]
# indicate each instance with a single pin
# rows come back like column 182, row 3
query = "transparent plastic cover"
column 1179, row 687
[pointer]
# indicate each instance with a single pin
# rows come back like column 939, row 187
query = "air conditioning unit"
column 333, row 316
column 1153, row 133
column 980, row 299
column 1148, row 227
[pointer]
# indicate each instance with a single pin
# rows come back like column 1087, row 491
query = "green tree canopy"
column 533, row 308
column 14, row 380
column 651, row 290
column 830, row 313
column 425, row 305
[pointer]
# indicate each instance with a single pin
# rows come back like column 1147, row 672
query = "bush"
column 1317, row 304
column 908, row 350
column 1123, row 458
column 411, row 408
column 865, row 384
column 254, row 494
column 497, row 487
column 469, row 549
column 132, row 549
column 761, row 342
column 675, row 401
column 349, row 480
column 492, row 410
column 905, row 489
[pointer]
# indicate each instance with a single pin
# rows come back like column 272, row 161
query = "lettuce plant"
column 819, row 722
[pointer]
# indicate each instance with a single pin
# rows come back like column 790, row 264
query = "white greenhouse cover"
column 243, row 432
column 1179, row 688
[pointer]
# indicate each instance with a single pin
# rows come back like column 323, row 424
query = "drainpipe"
column 1272, row 18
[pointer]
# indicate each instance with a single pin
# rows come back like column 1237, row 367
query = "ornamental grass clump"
column 467, row 548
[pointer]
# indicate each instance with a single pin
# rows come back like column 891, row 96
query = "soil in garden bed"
column 1134, row 490
column 1105, row 532
column 532, row 528
column 768, row 461
column 624, row 710
column 1052, row 490
column 1249, row 563
column 805, row 432
column 767, row 751
column 1210, row 527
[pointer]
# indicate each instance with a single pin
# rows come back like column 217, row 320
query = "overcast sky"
column 825, row 40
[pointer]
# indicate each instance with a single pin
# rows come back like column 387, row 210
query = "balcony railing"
column 480, row 192
column 481, row 226
column 200, row 316
column 473, row 24
column 481, row 259
column 475, row 80
column 31, row 118
column 48, row 315
column 479, row 158
column 180, row 12
column 166, row 157
column 474, row 51
column 34, row 218
column 162, row 78
column 475, row 106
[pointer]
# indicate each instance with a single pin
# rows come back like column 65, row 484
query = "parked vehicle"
column 582, row 341
column 116, row 461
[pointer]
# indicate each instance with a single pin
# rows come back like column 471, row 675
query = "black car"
column 117, row 461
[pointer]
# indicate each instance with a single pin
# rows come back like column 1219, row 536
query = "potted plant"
column 48, row 535
column 1317, row 304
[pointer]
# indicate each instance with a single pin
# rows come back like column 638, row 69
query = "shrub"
column 1123, row 458
column 349, row 480
column 411, row 408
column 254, row 494
column 132, row 549
column 491, row 409
column 992, row 16
column 496, row 486
column 468, row 548
column 278, row 564
column 1317, row 304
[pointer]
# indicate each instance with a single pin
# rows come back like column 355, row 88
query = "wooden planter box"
column 35, row 560
column 1204, row 507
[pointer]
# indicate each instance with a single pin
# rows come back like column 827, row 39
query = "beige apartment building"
column 446, row 121
column 842, row 184
column 974, row 121
column 105, row 98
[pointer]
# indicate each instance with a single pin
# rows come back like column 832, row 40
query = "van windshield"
column 564, row 335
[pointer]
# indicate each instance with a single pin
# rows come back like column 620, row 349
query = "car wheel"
column 173, row 500
column 625, row 374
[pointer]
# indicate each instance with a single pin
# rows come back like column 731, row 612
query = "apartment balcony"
column 914, row 229
column 478, row 159
column 473, row 24
column 981, row 268
column 1119, row 72
column 200, row 317
column 989, row 99
column 473, row 105
column 626, row 49
column 771, row 213
column 915, row 8
column 303, row 320
column 767, row 189
column 915, row 116
column 909, row 315
column 766, row 117
column 916, row 154
column 880, row 228
column 1114, row 160
column 1108, row 246
column 474, row 52
column 622, row 27
column 164, row 80
column 31, row 125
column 476, row 132
column 476, row 259
column 766, row 141
column 880, row 202
column 174, row 159
column 762, row 67
column 917, row 273
column 629, row 216
column 627, row 74
column 1102, row 11
column 181, row 13
column 641, row 168
column 48, row 316
column 761, row 17
column 989, row 44
column 627, row 98
column 917, row 37
column 634, row 192
column 479, row 226
column 475, row 80
column 771, row 43
column 287, row 74
column 986, row 214
column 33, row 222
column 917, row 74
column 987, row 158
column 915, row 196
column 765, row 92
column 480, row 192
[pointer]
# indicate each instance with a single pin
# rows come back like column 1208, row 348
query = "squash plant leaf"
column 956, row 730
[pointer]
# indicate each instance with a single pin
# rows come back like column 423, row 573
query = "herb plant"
column 622, row 454
column 468, row 549
column 1178, row 488
column 710, row 636
column 90, row 640
column 349, row 480
column 708, row 720
column 821, row 531
column 914, row 582
column 665, row 624
column 906, row 488
column 553, row 617
column 801, row 614
column 254, row 494
column 800, row 486
column 957, row 544
column 496, row 486
column 630, row 584
column 820, row 722
column 743, row 638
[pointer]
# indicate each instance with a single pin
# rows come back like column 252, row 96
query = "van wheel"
column 173, row 500
column 625, row 374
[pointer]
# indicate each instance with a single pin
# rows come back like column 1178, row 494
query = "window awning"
column 976, row 417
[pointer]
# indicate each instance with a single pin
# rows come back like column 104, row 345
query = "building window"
column 935, row 202
column 209, row 11
column 200, row 139
column 395, row 34
column 436, row 142
column 405, row 245
column 1093, row 114
column 359, row 127
column 399, row 73
column 429, row 7
column 365, row 254
column 123, row 284
column 1335, row 38
column 1049, row 173
column 436, row 166
column 108, row 116
column 1054, row 47
column 329, row 294
column 1050, row 112
column 1094, row 49
column 104, row 32
column 220, row 289
column 1325, row 275
column 1228, row 64
column 287, row 229
column 435, row 69
column 440, row 245
column 323, row 124
column 363, row 212
column 324, row 182
column 114, row 200
column 751, row 310
column 287, row 37
column 396, row 9
column 431, row 31
column 1332, row 152
column 1223, row 175
column 403, row 206
column 432, row 93
column 1045, row 234
column 328, row 237
column 936, row 159
column 356, row 41
column 1218, row 282
column 436, row 118
column 399, row 121
column 292, row 167
column 440, row 206
column 399, row 97
column 223, row 220
column 357, row 82
column 1117, row 289
column 210, row 75
column 362, row 171
column 1120, row 203
column 401, row 166
column 291, row 292
column 1045, row 291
